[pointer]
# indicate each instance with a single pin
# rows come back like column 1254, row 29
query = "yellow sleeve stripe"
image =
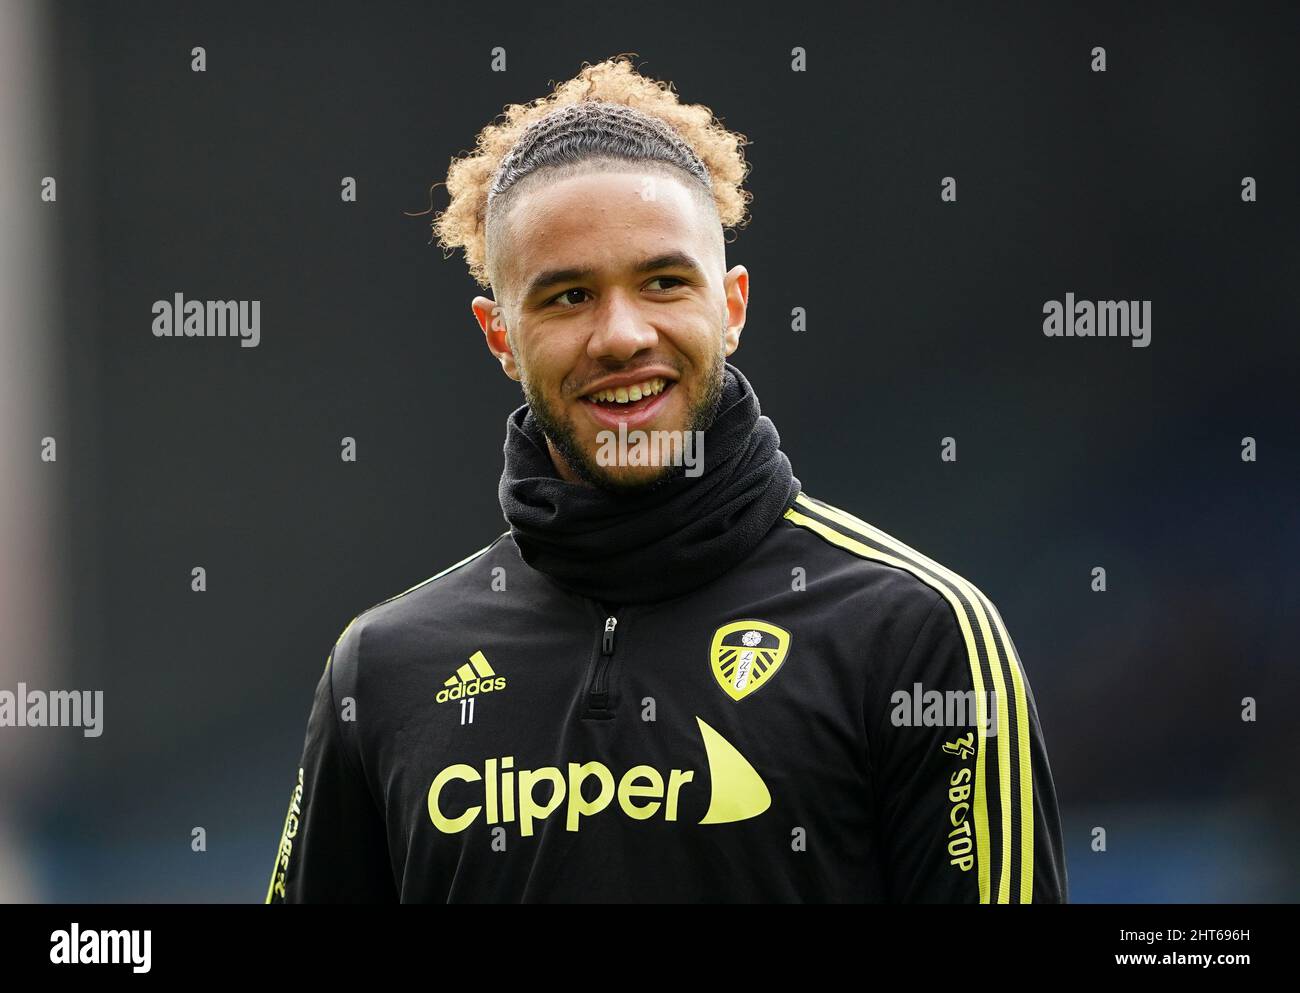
column 979, row 612
column 279, row 852
column 1026, row 767
column 984, row 609
column 1012, row 661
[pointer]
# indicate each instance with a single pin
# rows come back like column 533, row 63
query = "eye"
column 671, row 279
column 564, row 297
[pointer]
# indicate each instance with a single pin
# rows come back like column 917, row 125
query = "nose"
column 621, row 329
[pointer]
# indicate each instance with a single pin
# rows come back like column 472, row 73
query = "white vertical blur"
column 29, row 407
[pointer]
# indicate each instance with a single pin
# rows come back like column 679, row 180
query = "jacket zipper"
column 598, row 698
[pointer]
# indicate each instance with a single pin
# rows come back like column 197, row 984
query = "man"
column 673, row 678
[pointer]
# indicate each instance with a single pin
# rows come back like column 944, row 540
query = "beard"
column 562, row 435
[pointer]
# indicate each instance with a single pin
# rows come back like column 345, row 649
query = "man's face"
column 611, row 281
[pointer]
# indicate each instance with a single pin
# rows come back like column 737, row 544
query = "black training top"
column 834, row 718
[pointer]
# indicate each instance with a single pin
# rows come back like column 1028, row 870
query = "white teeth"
column 630, row 394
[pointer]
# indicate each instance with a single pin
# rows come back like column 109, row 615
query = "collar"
column 652, row 546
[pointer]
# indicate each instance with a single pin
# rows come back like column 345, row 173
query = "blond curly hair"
column 711, row 147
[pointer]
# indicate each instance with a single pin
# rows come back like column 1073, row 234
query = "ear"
column 491, row 318
column 736, row 287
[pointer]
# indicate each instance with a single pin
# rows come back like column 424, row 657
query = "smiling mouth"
column 626, row 396
column 623, row 400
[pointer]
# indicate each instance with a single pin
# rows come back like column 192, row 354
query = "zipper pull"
column 607, row 641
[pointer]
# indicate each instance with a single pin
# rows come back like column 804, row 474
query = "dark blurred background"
column 924, row 321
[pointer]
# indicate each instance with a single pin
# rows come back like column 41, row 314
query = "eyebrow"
column 553, row 277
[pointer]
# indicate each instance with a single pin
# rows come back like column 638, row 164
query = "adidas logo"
column 474, row 677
